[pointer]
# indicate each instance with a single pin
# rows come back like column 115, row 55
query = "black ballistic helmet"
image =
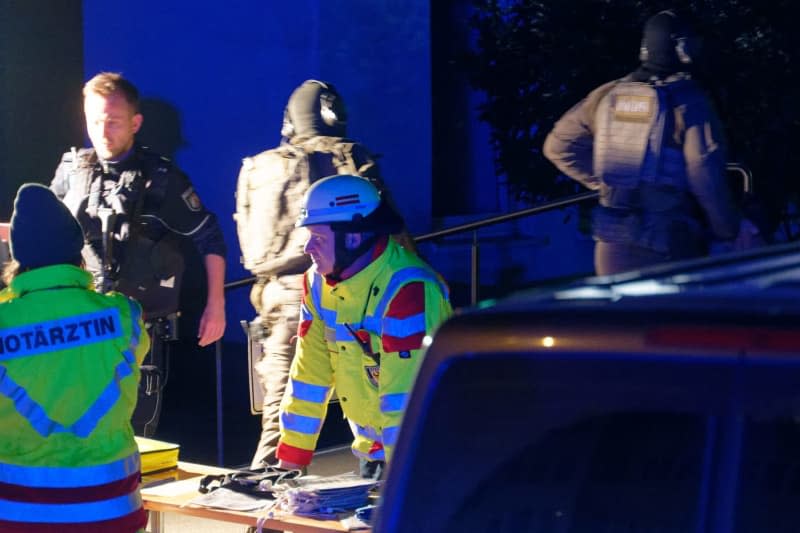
column 668, row 44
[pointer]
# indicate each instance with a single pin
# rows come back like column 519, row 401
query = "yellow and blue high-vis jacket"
column 69, row 373
column 363, row 336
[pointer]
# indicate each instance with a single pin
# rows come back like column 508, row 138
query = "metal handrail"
column 474, row 282
column 747, row 186
column 244, row 282
column 747, row 176
column 478, row 224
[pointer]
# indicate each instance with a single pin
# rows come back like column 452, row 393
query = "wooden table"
column 173, row 502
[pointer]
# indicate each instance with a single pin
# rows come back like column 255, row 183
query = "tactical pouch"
column 146, row 416
column 151, row 273
column 259, row 482
column 630, row 122
column 154, row 375
column 256, row 332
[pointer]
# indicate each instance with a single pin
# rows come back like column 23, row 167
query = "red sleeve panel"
column 404, row 323
column 293, row 454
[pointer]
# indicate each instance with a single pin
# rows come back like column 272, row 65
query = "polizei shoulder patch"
column 191, row 199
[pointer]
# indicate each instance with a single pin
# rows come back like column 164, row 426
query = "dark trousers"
column 151, row 388
column 371, row 469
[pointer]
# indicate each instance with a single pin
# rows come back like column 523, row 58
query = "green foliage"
column 535, row 59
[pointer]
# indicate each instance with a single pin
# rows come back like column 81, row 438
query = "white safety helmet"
column 339, row 199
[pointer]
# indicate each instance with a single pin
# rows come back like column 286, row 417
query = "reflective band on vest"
column 308, row 425
column 35, row 414
column 365, row 431
column 328, row 316
column 390, row 435
column 393, row 402
column 305, row 313
column 369, row 433
column 61, row 334
column 377, row 455
column 69, row 477
column 403, row 327
column 66, row 513
column 376, row 323
column 340, row 333
column 309, row 392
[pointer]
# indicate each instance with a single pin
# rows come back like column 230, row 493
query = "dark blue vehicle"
column 663, row 401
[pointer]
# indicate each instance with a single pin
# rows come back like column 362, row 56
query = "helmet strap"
column 344, row 257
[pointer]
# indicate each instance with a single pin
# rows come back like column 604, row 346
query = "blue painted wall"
column 221, row 73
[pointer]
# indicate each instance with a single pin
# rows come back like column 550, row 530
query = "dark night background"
column 457, row 96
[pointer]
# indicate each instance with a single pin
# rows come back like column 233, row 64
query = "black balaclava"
column 315, row 108
column 662, row 33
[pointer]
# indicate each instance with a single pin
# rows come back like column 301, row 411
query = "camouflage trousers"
column 278, row 305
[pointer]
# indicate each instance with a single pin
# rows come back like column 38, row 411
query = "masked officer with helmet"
column 69, row 371
column 653, row 147
column 368, row 305
column 270, row 190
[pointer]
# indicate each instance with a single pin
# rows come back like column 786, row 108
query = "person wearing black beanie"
column 652, row 145
column 70, row 365
column 43, row 232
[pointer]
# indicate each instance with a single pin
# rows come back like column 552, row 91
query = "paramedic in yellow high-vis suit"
column 368, row 305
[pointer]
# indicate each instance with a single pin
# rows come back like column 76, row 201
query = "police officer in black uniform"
column 133, row 206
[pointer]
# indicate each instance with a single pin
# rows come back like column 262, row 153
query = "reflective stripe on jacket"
column 349, row 340
column 69, row 373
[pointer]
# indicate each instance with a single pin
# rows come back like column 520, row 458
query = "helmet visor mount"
column 349, row 204
column 340, row 198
